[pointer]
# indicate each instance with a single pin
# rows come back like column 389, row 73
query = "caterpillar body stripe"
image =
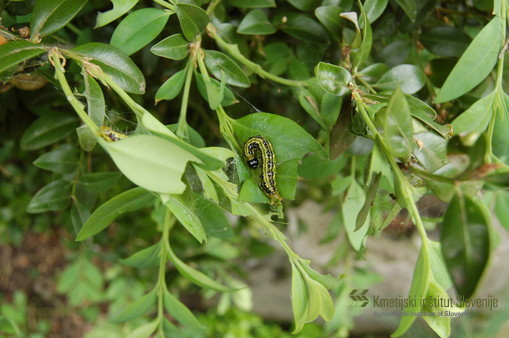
column 260, row 145
column 110, row 135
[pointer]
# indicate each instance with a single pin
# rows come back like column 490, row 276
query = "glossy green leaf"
column 138, row 308
column 398, row 129
column 333, row 79
column 47, row 130
column 174, row 47
column 115, row 63
column 465, row 242
column 476, row 117
column 63, row 159
column 431, row 150
column 304, row 28
column 256, row 22
column 289, row 140
column 300, row 299
column 500, row 141
column 179, row 311
column 218, row 64
column 371, row 191
column 228, row 97
column 440, row 324
column 15, row 52
column 49, row 16
column 409, row 78
column 195, row 276
column 445, row 41
column 183, row 211
column 171, row 87
column 138, row 29
column 99, row 182
column 144, row 331
column 151, row 162
column 127, row 201
column 418, row 290
column 54, row 196
column 329, row 17
column 409, row 7
column 304, row 5
column 374, row 8
column 252, row 3
column 120, row 7
column 146, row 258
column 352, row 205
column 193, row 20
column 213, row 218
column 438, row 266
column 360, row 55
column 96, row 107
column 476, row 63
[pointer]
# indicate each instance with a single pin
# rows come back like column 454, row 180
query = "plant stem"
column 182, row 122
column 233, row 50
column 55, row 56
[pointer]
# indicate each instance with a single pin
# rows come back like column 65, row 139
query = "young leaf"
column 418, row 291
column 220, row 65
column 47, row 130
column 151, row 162
column 193, row 20
column 476, row 117
column 333, row 79
column 99, row 182
column 146, row 258
column 172, row 87
column 476, row 63
column 351, row 207
column 146, row 330
column 96, row 107
column 138, row 308
column 213, row 218
column 52, row 197
column 138, row 29
column 51, row 15
column 63, row 159
column 360, row 55
column 300, row 299
column 174, row 47
column 127, row 201
column 115, row 63
column 187, row 217
column 120, row 7
column 195, row 276
column 256, row 23
column 179, row 311
column 398, row 129
column 465, row 242
column 15, row 52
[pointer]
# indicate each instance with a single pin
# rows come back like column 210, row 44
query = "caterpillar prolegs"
column 260, row 145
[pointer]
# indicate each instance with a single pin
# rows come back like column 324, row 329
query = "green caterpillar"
column 259, row 144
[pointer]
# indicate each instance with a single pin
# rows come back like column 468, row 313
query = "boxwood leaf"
column 329, row 17
column 445, row 41
column 305, row 28
column 127, row 201
column 63, row 159
column 146, row 258
column 151, row 162
column 174, row 47
column 476, row 63
column 138, row 308
column 47, row 130
column 398, row 129
column 193, row 20
column 219, row 63
column 49, row 16
column 179, row 311
column 99, row 182
column 139, row 28
column 15, row 52
column 465, row 242
column 333, row 79
column 52, row 197
column 256, row 23
column 184, row 212
column 115, row 63
column 407, row 77
column 252, row 3
column 171, row 87
column 120, row 7
column 476, row 117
